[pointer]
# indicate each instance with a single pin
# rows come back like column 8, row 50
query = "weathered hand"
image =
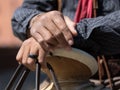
column 51, row 30
column 31, row 46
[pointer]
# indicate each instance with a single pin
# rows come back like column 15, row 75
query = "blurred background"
column 9, row 44
column 7, row 38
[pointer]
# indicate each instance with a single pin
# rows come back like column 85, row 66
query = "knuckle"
column 36, row 46
column 58, row 34
column 43, row 18
column 55, row 12
column 63, row 27
column 48, row 38
column 35, row 28
column 40, row 40
column 26, row 42
column 24, row 62
column 40, row 61
column 32, row 31
column 30, row 62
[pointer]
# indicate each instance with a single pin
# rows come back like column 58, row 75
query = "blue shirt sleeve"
column 28, row 9
column 103, row 32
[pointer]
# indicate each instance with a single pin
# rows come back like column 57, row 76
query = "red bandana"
column 84, row 10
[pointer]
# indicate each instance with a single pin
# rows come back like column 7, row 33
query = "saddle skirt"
column 72, row 68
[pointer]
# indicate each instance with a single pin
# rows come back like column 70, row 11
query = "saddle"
column 67, row 70
column 72, row 68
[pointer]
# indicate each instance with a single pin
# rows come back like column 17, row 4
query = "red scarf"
column 84, row 10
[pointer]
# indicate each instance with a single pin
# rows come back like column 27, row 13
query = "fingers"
column 40, row 39
column 33, row 51
column 53, row 29
column 57, row 34
column 61, row 25
column 23, row 53
column 71, row 25
column 30, row 47
column 20, row 54
column 50, row 30
column 43, row 35
column 41, row 57
column 115, row 80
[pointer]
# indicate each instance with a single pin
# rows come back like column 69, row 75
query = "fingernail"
column 75, row 33
column 70, row 42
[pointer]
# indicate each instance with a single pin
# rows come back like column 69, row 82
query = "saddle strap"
column 95, row 7
column 102, row 62
column 111, row 67
column 59, row 5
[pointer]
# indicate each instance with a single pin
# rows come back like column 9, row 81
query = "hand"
column 52, row 29
column 31, row 46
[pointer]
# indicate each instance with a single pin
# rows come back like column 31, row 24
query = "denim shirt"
column 100, row 35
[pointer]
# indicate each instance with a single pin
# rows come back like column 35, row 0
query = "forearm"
column 103, row 32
